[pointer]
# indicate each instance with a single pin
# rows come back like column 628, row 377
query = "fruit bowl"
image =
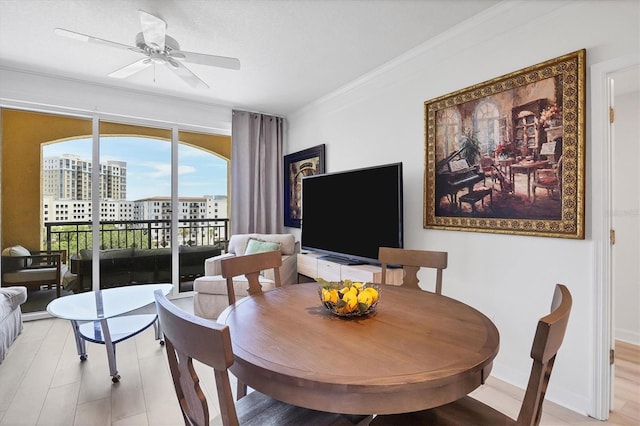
column 348, row 298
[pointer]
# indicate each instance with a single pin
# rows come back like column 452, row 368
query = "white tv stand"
column 312, row 267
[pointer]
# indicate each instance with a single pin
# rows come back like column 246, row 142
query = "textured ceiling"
column 291, row 52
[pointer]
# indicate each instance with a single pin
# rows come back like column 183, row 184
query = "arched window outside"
column 486, row 119
column 449, row 128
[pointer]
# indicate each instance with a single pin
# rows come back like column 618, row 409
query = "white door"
column 625, row 215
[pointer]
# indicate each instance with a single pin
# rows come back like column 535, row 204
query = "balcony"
column 133, row 252
column 145, row 234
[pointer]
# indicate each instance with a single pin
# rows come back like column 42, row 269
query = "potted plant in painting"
column 471, row 146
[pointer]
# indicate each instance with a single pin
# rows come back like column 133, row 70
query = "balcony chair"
column 33, row 269
column 468, row 411
column 412, row 261
column 549, row 179
column 189, row 338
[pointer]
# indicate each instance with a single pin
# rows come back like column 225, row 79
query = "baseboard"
column 628, row 336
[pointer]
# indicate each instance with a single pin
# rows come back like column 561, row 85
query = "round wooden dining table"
column 418, row 350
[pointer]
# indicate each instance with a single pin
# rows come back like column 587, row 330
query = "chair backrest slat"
column 412, row 261
column 250, row 266
column 189, row 338
column 546, row 343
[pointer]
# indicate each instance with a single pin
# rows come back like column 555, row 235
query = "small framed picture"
column 296, row 166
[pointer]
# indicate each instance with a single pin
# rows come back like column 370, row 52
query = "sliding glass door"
column 149, row 203
column 202, row 213
column 135, row 215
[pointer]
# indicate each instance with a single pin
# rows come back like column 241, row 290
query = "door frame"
column 601, row 202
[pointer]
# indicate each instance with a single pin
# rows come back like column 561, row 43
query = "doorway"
column 625, row 212
column 600, row 179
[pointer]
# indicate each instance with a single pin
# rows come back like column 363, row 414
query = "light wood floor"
column 42, row 382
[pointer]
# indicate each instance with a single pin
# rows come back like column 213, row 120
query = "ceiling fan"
column 158, row 48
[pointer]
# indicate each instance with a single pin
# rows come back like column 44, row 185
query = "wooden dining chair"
column 251, row 265
column 188, row 338
column 411, row 262
column 468, row 411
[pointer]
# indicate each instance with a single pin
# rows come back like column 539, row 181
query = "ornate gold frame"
column 568, row 74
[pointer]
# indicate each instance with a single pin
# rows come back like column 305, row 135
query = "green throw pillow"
column 258, row 246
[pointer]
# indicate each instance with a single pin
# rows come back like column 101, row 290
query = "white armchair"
column 210, row 296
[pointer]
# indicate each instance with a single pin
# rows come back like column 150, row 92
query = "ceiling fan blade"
column 211, row 60
column 185, row 73
column 154, row 30
column 131, row 69
column 95, row 40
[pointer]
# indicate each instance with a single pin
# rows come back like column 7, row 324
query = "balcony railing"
column 76, row 236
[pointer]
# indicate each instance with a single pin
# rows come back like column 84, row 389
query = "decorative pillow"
column 258, row 246
column 18, row 251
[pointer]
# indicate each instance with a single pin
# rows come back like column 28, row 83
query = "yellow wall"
column 22, row 135
column 220, row 145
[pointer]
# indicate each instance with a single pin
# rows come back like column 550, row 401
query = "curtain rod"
column 259, row 112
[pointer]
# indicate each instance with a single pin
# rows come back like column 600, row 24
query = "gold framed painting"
column 508, row 155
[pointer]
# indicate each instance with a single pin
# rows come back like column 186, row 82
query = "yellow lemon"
column 329, row 295
column 344, row 290
column 373, row 292
column 357, row 285
column 364, row 301
column 366, row 298
column 325, row 295
column 351, row 301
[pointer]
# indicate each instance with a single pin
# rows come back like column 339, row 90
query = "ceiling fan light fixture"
column 158, row 48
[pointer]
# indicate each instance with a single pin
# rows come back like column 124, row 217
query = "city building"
column 69, row 177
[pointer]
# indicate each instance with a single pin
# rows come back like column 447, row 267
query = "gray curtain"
column 256, row 173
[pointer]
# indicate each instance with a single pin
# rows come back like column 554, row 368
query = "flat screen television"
column 348, row 215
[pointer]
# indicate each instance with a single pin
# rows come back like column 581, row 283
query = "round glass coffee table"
column 98, row 316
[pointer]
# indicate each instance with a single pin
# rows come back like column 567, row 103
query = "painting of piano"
column 508, row 155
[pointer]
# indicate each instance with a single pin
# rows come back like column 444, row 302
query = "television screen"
column 349, row 215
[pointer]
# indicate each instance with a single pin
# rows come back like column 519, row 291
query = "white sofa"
column 210, row 291
column 10, row 316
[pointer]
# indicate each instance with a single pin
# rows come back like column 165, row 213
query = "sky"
column 149, row 165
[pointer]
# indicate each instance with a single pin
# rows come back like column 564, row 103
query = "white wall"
column 626, row 217
column 379, row 119
column 39, row 92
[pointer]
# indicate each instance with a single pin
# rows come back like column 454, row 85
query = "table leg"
column 111, row 351
column 80, row 345
column 158, row 330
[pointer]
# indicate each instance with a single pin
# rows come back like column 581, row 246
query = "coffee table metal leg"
column 158, row 330
column 111, row 351
column 80, row 344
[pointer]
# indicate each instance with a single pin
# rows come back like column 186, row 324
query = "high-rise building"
column 66, row 183
column 69, row 177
